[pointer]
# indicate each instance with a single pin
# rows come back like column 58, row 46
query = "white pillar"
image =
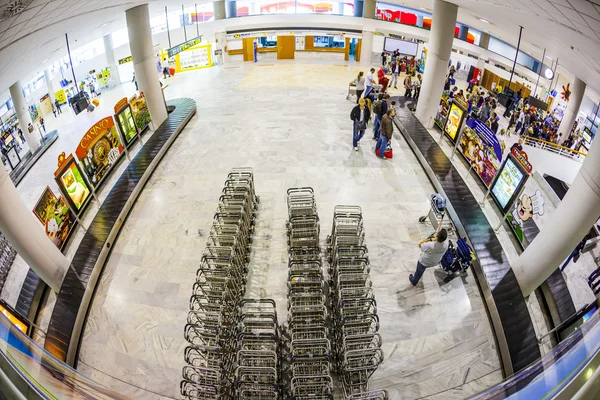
column 221, row 44
column 572, row 110
column 26, row 235
column 219, row 10
column 571, row 221
column 16, row 93
column 140, row 43
column 109, row 50
column 439, row 47
column 49, row 85
column 366, row 47
column 369, row 7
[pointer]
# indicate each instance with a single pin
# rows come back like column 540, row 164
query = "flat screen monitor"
column 508, row 183
column 404, row 47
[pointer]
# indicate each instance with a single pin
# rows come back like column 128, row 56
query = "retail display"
column 454, row 120
column 442, row 114
column 126, row 121
column 510, row 179
column 530, row 212
column 141, row 115
column 55, row 215
column 99, row 150
column 71, row 183
column 480, row 146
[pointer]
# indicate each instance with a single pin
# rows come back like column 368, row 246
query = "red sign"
column 122, row 103
column 103, row 128
column 522, row 158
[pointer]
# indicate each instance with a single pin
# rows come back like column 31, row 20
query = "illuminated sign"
column 184, row 46
column 522, row 158
column 12, row 316
column 125, row 60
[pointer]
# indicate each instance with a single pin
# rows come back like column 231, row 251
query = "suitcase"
column 90, row 108
column 95, row 102
column 388, row 153
column 172, row 71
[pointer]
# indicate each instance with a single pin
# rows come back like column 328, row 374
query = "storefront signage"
column 461, row 101
column 182, row 47
column 522, row 158
column 61, row 96
column 125, row 60
column 487, row 135
column 479, row 154
column 56, row 217
column 70, row 180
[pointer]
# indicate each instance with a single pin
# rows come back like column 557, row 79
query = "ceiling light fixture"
column 550, row 58
column 484, row 20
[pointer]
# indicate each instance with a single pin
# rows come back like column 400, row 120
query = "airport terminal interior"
column 353, row 200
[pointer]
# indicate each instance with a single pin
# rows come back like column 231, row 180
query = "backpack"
column 377, row 107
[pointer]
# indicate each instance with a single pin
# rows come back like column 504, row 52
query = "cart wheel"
column 423, row 218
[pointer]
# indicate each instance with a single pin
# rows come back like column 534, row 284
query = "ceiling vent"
column 14, row 8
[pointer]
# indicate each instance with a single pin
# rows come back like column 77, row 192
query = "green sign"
column 184, row 46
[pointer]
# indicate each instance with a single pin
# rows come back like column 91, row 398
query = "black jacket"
column 355, row 114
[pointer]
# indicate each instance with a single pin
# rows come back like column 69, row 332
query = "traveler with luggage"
column 378, row 113
column 360, row 116
column 432, row 251
column 369, row 82
column 387, row 129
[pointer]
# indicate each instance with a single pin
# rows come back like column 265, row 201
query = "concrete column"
column 358, row 8
column 16, row 93
column 481, row 66
column 369, row 7
column 26, row 235
column 111, row 60
column 231, row 9
column 484, row 40
column 439, row 47
column 571, row 221
column 570, row 116
column 219, row 9
column 49, row 85
column 366, row 49
column 220, row 44
column 142, row 54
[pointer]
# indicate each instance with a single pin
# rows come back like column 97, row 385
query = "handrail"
column 554, row 148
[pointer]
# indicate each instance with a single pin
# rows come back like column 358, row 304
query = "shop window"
column 269, row 41
column 329, row 41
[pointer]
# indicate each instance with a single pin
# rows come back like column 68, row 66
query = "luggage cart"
column 351, row 90
column 437, row 214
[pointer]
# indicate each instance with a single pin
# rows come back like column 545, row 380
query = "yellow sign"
column 61, row 96
column 237, row 36
column 125, row 60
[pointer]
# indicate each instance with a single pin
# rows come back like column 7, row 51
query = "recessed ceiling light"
column 484, row 20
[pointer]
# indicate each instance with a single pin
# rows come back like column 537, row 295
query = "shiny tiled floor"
column 290, row 122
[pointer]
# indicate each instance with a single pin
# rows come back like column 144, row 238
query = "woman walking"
column 360, row 116
column 360, row 85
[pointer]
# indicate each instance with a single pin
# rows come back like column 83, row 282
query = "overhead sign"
column 184, row 46
column 125, row 60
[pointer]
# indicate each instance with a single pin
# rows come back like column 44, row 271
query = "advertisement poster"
column 453, row 122
column 481, row 148
column 125, row 120
column 61, row 96
column 509, row 180
column 70, row 179
column 99, row 149
column 56, row 217
column 141, row 115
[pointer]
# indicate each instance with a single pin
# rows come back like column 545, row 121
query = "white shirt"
column 432, row 253
column 369, row 79
column 362, row 115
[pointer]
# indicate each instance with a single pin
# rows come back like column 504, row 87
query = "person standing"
column 418, row 84
column 432, row 251
column 383, row 80
column 360, row 85
column 360, row 116
column 395, row 73
column 387, row 130
column 378, row 111
column 369, row 85
column 56, row 102
column 43, row 124
column 53, row 109
column 407, row 87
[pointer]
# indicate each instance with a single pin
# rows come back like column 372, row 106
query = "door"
column 286, row 47
column 357, row 50
column 248, row 47
column 347, row 55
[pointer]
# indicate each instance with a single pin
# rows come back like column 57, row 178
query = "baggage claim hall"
column 286, row 200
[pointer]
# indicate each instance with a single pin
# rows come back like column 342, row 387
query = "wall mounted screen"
column 408, row 48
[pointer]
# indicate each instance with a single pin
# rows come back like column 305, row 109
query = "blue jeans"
column 381, row 145
column 394, row 79
column 418, row 273
column 357, row 134
column 376, row 126
column 369, row 94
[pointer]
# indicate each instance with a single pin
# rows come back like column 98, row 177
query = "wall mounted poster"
column 481, row 148
column 99, row 149
column 71, row 182
column 454, row 121
column 56, row 217
column 508, row 183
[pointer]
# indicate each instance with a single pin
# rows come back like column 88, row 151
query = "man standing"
column 387, row 129
column 360, row 117
column 57, row 103
column 370, row 82
column 432, row 251
column 395, row 73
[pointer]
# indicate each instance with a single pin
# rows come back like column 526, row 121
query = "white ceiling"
column 568, row 29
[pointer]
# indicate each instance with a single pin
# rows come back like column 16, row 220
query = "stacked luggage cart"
column 355, row 324
column 7, row 258
column 213, row 322
column 308, row 349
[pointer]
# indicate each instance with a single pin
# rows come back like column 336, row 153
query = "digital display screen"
column 74, row 185
column 404, row 47
column 507, row 183
column 453, row 122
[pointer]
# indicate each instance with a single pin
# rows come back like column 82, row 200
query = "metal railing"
column 555, row 148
